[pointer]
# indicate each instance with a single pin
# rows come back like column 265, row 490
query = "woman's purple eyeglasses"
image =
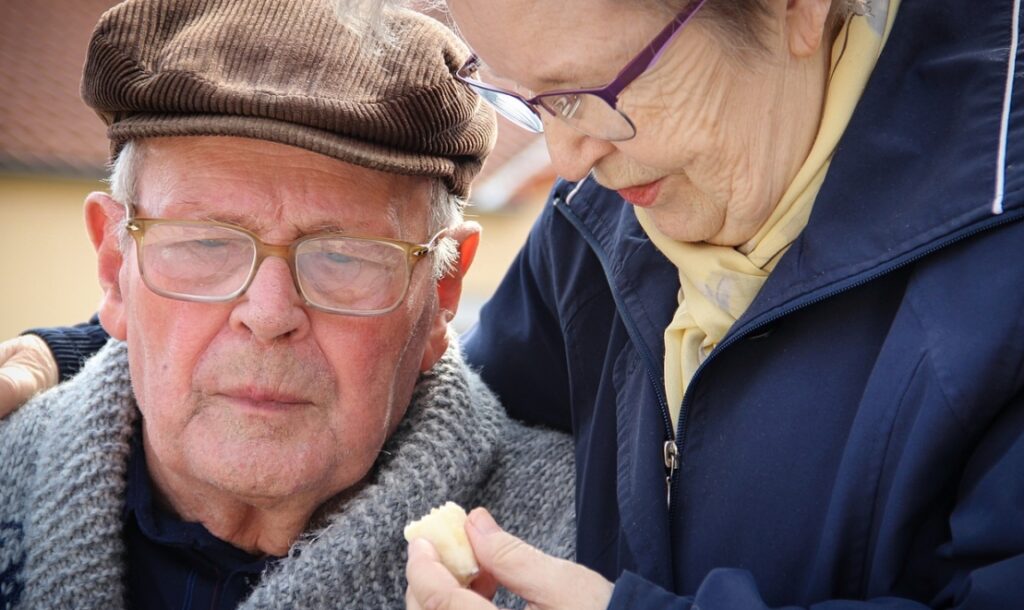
column 591, row 111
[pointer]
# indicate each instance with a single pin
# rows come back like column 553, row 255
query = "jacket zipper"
column 670, row 451
column 671, row 454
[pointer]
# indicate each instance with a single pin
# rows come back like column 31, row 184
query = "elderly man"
column 280, row 256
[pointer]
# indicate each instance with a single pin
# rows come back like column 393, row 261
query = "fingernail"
column 483, row 521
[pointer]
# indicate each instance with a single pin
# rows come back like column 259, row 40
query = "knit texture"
column 63, row 462
column 292, row 72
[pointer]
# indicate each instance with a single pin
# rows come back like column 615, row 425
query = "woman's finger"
column 432, row 586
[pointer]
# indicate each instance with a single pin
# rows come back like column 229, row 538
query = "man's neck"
column 258, row 526
column 255, row 530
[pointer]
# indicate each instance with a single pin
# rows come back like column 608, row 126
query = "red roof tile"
column 44, row 125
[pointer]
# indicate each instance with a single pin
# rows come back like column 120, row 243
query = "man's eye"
column 340, row 259
column 210, row 243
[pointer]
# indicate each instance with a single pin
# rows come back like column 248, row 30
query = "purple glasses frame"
column 641, row 63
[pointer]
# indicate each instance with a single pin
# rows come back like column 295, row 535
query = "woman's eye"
column 567, row 105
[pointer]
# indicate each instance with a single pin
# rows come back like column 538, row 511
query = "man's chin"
column 269, row 485
column 264, row 469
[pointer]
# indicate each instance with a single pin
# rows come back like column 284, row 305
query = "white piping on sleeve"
column 997, row 202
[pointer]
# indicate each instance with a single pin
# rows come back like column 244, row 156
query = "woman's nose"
column 572, row 153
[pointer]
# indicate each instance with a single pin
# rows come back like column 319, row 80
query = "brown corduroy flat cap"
column 291, row 72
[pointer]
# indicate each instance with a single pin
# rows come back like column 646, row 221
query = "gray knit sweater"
column 63, row 459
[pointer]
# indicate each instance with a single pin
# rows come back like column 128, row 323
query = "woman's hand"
column 26, row 368
column 545, row 582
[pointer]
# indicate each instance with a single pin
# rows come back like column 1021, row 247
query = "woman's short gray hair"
column 741, row 22
column 445, row 207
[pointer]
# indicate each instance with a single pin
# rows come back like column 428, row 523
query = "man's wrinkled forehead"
column 274, row 188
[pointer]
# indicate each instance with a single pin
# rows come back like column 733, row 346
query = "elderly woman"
column 773, row 300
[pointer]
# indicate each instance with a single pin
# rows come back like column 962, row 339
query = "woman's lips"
column 643, row 195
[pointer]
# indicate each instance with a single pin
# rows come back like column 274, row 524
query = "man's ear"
column 102, row 217
column 449, row 291
column 806, row 21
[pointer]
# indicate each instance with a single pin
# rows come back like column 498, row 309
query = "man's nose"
column 572, row 153
column 271, row 308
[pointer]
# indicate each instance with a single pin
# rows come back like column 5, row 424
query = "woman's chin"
column 679, row 225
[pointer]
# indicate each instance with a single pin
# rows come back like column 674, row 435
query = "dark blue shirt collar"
column 179, row 564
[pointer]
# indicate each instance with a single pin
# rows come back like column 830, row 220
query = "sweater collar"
column 77, row 497
column 443, row 450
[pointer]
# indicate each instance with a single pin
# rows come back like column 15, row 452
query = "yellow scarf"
column 718, row 283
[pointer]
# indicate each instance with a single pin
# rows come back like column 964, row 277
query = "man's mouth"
column 642, row 195
column 257, row 398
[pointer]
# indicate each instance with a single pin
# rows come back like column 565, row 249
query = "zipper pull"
column 671, row 455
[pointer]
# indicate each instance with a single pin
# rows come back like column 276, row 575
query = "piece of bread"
column 444, row 528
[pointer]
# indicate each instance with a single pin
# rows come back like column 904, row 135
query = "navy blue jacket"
column 859, row 433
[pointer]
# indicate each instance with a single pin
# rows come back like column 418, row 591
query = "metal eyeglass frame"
column 643, row 61
column 415, row 253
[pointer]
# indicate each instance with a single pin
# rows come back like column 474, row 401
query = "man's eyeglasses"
column 212, row 262
column 591, row 111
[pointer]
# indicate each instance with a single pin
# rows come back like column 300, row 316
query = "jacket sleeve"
column 517, row 345
column 982, row 562
column 73, row 345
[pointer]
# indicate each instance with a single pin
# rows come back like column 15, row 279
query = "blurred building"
column 53, row 150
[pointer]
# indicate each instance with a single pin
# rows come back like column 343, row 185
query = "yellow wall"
column 503, row 234
column 47, row 265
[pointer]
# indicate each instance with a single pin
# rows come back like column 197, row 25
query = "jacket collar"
column 936, row 134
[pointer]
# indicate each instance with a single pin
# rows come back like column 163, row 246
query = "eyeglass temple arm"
column 424, row 249
column 650, row 55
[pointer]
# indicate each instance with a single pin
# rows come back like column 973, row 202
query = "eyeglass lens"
column 213, row 263
column 513, row 109
column 585, row 112
column 351, row 274
column 190, row 260
column 589, row 114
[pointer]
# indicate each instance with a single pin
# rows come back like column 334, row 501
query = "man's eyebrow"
column 326, row 227
column 245, row 221
column 184, row 203
column 170, row 211
column 176, row 205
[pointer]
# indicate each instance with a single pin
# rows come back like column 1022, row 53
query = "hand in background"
column 26, row 367
column 545, row 582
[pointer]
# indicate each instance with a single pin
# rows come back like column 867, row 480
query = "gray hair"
column 366, row 18
column 741, row 24
column 445, row 207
